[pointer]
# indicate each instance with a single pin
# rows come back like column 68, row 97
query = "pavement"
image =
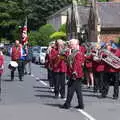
column 32, row 100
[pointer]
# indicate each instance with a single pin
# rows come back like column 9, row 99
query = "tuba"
column 110, row 59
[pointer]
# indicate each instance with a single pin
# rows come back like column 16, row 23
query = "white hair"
column 52, row 42
column 75, row 41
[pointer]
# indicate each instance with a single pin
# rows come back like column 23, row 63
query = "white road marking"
column 43, row 83
column 89, row 117
column 37, row 78
column 32, row 75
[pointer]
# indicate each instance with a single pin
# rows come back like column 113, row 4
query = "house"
column 108, row 14
column 58, row 18
column 101, row 21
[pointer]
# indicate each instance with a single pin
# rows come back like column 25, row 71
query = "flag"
column 24, row 33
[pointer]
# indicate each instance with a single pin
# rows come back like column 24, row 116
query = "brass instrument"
column 70, row 58
column 88, row 47
column 92, row 50
column 96, row 54
column 110, row 59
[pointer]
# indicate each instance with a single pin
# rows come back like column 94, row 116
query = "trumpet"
column 110, row 59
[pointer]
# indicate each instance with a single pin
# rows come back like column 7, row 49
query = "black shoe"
column 102, row 96
column 115, row 97
column 65, row 106
column 79, row 107
column 62, row 97
column 56, row 96
column 29, row 73
column 21, row 79
column 25, row 73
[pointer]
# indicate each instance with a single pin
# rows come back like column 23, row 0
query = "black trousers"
column 50, row 78
column 59, row 80
column 108, row 76
column 20, row 70
column 98, row 81
column 74, row 86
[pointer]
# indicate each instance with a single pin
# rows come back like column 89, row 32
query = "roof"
column 109, row 13
column 62, row 11
column 83, row 14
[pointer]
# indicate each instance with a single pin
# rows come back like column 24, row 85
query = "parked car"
column 42, row 54
column 39, row 54
column 35, row 55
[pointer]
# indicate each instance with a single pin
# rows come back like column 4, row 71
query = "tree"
column 13, row 13
column 34, row 37
column 9, row 18
column 45, row 31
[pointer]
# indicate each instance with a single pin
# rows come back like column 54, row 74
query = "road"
column 33, row 100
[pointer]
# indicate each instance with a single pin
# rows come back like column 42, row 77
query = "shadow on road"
column 90, row 95
column 7, row 80
column 44, row 96
column 87, row 90
column 44, row 79
column 40, row 87
column 53, row 105
column 42, row 91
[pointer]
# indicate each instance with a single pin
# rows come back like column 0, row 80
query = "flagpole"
column 20, row 34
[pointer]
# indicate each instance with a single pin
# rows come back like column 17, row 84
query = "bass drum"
column 12, row 65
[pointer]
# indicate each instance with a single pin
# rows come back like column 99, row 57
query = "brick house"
column 108, row 14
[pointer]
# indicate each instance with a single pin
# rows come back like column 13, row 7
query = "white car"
column 42, row 54
column 36, row 51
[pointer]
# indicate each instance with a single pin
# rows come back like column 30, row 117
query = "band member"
column 28, row 59
column 59, row 68
column 111, row 73
column 48, row 65
column 1, row 67
column 75, row 73
column 98, row 69
column 88, row 71
column 16, row 54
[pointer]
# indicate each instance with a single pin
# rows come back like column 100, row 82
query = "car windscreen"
column 36, row 50
column 44, row 50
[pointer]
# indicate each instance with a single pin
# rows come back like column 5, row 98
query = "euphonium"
column 110, row 59
column 96, row 54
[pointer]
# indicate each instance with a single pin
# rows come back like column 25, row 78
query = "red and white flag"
column 24, row 33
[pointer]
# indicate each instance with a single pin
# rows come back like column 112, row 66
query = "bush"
column 62, row 28
column 33, row 37
column 58, row 35
column 45, row 31
column 41, row 37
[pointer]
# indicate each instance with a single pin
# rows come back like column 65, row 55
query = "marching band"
column 72, row 61
column 69, row 61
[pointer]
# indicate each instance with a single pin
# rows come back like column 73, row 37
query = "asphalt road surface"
column 33, row 100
